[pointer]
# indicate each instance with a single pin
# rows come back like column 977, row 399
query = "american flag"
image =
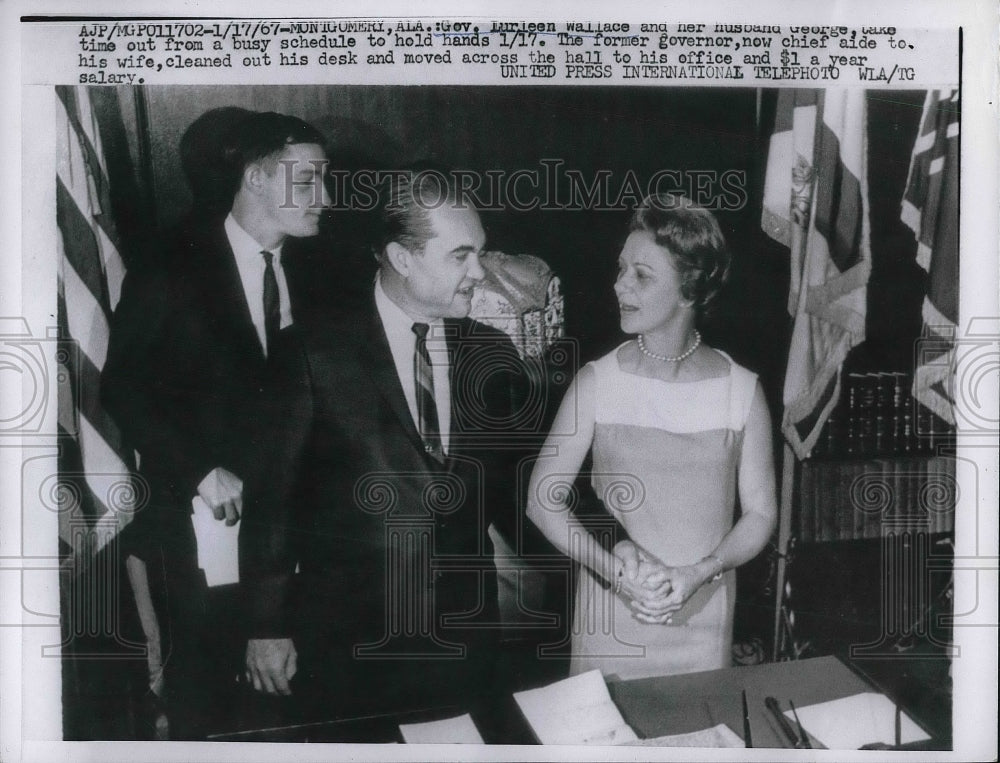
column 100, row 492
column 816, row 203
column 91, row 271
column 930, row 209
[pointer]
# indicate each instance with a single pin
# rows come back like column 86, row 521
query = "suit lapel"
column 376, row 357
column 227, row 299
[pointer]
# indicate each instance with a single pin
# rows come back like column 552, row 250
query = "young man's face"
column 294, row 194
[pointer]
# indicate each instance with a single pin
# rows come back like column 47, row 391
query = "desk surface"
column 677, row 704
column 651, row 706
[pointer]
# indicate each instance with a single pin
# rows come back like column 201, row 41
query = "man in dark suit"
column 184, row 376
column 389, row 458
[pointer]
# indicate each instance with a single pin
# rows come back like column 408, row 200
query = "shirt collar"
column 394, row 318
column 245, row 247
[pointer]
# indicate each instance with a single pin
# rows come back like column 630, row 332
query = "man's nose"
column 476, row 272
column 324, row 195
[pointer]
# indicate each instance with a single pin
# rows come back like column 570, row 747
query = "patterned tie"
column 272, row 303
column 423, row 375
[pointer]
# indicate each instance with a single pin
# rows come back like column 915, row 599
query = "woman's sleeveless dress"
column 665, row 465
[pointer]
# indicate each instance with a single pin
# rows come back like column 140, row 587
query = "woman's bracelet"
column 719, row 566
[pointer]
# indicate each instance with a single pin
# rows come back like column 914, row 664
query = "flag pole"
column 784, row 534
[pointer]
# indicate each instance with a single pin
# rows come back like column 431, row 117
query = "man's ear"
column 399, row 258
column 253, row 177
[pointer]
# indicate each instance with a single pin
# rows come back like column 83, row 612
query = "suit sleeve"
column 134, row 391
column 508, row 393
column 271, row 526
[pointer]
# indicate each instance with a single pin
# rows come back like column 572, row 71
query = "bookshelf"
column 881, row 476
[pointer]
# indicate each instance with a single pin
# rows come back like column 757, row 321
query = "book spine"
column 948, row 465
column 910, row 471
column 898, row 413
column 933, row 508
column 862, row 513
column 884, row 431
column 854, row 383
column 827, row 528
column 868, row 412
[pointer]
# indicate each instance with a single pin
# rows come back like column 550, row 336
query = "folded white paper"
column 851, row 722
column 460, row 730
column 717, row 736
column 577, row 710
column 218, row 545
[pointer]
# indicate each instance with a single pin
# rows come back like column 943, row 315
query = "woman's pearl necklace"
column 670, row 358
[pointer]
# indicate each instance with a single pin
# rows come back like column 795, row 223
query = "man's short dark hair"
column 202, row 150
column 261, row 137
column 405, row 197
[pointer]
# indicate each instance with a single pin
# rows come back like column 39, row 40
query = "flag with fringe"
column 816, row 203
column 930, row 210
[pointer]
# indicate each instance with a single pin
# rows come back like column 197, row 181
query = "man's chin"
column 309, row 228
column 461, row 306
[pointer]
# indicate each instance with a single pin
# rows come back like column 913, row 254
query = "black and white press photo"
column 469, row 380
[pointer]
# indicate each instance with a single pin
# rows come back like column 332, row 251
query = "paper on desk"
column 849, row 723
column 460, row 730
column 717, row 736
column 218, row 547
column 576, row 710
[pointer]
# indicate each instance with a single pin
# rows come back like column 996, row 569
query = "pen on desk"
column 803, row 736
column 747, row 739
column 791, row 737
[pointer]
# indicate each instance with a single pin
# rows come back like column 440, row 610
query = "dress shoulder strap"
column 742, row 385
column 605, row 370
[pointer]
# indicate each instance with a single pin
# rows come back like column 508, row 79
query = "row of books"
column 877, row 415
column 847, row 500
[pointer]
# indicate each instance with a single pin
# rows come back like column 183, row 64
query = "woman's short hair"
column 693, row 236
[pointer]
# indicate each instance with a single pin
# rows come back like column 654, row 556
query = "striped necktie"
column 423, row 376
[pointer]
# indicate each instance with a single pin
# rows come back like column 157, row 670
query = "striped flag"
column 816, row 203
column 930, row 209
column 97, row 465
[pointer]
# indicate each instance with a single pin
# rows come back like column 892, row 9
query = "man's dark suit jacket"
column 184, row 380
column 184, row 373
column 395, row 604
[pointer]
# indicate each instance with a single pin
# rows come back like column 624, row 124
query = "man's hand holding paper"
column 222, row 491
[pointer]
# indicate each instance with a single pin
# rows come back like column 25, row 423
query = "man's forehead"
column 308, row 153
column 456, row 220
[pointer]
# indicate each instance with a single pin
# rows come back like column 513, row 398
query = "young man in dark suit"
column 389, row 458
column 184, row 376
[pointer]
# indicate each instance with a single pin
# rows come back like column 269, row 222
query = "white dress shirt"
column 402, row 344
column 250, row 263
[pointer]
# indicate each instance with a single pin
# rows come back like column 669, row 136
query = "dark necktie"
column 272, row 303
column 423, row 375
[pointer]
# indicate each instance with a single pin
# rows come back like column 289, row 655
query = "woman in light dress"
column 678, row 431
